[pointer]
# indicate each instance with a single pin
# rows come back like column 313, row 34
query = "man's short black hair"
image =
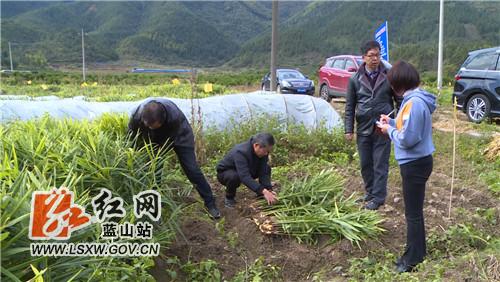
column 372, row 44
column 263, row 139
column 153, row 112
column 403, row 76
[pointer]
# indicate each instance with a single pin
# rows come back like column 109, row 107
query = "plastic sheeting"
column 216, row 111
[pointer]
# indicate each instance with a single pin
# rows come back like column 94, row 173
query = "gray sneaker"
column 372, row 205
column 213, row 211
column 229, row 203
column 365, row 198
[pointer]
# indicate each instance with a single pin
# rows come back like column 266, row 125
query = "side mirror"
column 352, row 69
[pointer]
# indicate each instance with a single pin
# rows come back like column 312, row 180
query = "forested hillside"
column 331, row 28
column 237, row 34
column 186, row 33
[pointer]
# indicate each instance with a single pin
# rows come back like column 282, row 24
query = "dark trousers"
column 374, row 152
column 231, row 180
column 414, row 175
column 187, row 159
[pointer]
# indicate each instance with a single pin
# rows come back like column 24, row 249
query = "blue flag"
column 382, row 37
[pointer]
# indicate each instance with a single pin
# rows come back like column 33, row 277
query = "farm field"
column 250, row 242
column 128, row 87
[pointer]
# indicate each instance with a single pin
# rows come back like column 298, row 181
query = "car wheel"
column 323, row 93
column 478, row 108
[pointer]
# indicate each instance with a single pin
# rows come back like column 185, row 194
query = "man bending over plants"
column 164, row 124
column 244, row 163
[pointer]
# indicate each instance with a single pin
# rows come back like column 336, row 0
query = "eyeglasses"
column 373, row 55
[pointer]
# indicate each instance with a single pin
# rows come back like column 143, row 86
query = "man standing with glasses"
column 369, row 95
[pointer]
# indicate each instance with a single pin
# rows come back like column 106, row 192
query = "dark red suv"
column 335, row 73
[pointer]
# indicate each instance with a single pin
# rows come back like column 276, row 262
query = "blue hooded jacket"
column 411, row 130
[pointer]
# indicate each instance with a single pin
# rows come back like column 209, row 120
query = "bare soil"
column 299, row 261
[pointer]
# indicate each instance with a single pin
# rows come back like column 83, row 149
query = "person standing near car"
column 411, row 133
column 162, row 123
column 368, row 96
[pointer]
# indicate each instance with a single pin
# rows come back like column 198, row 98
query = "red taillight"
column 457, row 77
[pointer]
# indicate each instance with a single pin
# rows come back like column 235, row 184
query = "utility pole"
column 83, row 56
column 10, row 55
column 440, row 48
column 274, row 43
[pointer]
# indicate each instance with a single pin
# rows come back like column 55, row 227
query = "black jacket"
column 175, row 130
column 243, row 159
column 367, row 103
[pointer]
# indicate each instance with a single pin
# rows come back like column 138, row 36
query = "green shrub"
column 293, row 141
column 259, row 272
column 204, row 271
column 457, row 240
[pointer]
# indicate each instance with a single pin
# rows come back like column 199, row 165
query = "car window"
column 329, row 63
column 339, row 64
column 359, row 61
column 290, row 75
column 349, row 64
column 498, row 63
column 482, row 62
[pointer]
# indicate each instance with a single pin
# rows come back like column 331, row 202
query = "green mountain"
column 13, row 8
column 325, row 29
column 184, row 33
column 237, row 34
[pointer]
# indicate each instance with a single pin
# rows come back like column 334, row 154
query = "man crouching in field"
column 163, row 123
column 243, row 164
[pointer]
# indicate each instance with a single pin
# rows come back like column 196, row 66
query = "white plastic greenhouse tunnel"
column 215, row 112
